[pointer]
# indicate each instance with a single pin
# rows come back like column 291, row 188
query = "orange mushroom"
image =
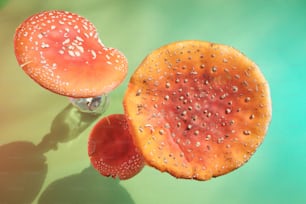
column 111, row 148
column 62, row 52
column 197, row 109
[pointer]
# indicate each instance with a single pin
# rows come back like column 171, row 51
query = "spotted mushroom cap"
column 112, row 150
column 197, row 109
column 62, row 52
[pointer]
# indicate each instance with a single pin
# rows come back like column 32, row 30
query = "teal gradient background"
column 43, row 146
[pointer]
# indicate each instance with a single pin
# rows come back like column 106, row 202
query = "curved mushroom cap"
column 111, row 148
column 197, row 109
column 62, row 52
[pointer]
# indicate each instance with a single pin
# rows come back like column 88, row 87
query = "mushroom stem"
column 93, row 105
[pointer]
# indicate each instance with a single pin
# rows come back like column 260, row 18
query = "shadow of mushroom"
column 22, row 172
column 24, row 167
column 66, row 126
column 86, row 187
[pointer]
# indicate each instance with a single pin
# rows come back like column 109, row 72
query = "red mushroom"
column 62, row 52
column 197, row 109
column 111, row 148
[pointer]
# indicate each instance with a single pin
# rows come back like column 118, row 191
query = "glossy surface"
column 272, row 33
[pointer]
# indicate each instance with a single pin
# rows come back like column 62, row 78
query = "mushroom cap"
column 111, row 148
column 197, row 109
column 62, row 52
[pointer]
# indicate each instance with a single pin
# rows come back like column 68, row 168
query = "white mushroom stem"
column 94, row 105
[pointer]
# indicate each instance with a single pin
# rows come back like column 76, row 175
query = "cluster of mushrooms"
column 194, row 109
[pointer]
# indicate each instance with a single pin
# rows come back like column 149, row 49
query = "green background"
column 43, row 152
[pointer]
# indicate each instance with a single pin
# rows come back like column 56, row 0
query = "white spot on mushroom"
column 85, row 27
column 235, row 89
column 44, row 45
column 77, row 53
column 66, row 41
column 80, row 48
column 94, row 55
column 228, row 110
column 71, row 53
column 79, row 39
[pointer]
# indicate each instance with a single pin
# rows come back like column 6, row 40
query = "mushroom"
column 197, row 110
column 111, row 148
column 62, row 52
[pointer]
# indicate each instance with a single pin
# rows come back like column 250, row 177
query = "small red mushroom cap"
column 197, row 109
column 62, row 52
column 111, row 148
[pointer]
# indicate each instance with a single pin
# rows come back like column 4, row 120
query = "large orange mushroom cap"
column 112, row 150
column 197, row 109
column 62, row 52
